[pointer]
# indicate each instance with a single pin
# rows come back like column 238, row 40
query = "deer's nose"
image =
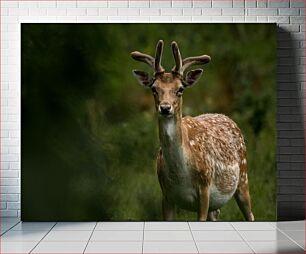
column 165, row 108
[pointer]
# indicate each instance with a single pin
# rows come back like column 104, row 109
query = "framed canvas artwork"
column 133, row 122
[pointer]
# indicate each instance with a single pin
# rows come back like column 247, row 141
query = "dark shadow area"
column 290, row 130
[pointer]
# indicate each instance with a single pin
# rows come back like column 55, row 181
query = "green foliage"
column 89, row 131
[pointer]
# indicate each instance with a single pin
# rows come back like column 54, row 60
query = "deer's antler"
column 182, row 65
column 155, row 63
column 158, row 56
column 143, row 58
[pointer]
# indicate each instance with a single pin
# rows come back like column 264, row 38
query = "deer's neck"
column 171, row 139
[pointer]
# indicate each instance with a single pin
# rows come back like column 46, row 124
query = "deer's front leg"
column 168, row 209
column 203, row 202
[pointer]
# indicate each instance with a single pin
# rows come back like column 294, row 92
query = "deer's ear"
column 143, row 78
column 192, row 77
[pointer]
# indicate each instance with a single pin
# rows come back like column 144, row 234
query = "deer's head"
column 168, row 87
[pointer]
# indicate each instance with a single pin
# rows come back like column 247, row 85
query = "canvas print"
column 133, row 122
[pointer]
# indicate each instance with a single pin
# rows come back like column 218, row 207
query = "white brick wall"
column 289, row 14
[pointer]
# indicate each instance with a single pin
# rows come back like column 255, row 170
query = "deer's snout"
column 165, row 109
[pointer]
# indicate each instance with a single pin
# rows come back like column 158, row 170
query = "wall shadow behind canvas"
column 89, row 130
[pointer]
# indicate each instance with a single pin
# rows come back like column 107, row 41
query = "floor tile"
column 216, row 236
column 297, row 235
column 114, row 247
column 119, row 226
column 17, row 247
column 167, row 236
column 169, row 247
column 224, row 247
column 301, row 243
column 291, row 225
column 69, row 236
column 276, row 247
column 273, row 224
column 23, row 236
column 98, row 236
column 245, row 225
column 160, row 237
column 7, row 225
column 166, row 226
column 5, row 228
column 33, row 226
column 263, row 235
column 211, row 226
column 60, row 247
column 63, row 226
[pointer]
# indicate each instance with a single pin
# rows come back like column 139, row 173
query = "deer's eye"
column 180, row 91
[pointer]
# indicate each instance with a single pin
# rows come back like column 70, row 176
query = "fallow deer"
column 201, row 163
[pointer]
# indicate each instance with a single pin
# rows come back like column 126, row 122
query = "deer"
column 201, row 163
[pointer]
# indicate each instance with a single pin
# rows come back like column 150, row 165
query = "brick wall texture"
column 289, row 15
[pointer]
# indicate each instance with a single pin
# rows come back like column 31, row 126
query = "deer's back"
column 217, row 149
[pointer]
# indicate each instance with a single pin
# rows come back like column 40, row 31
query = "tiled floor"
column 152, row 237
